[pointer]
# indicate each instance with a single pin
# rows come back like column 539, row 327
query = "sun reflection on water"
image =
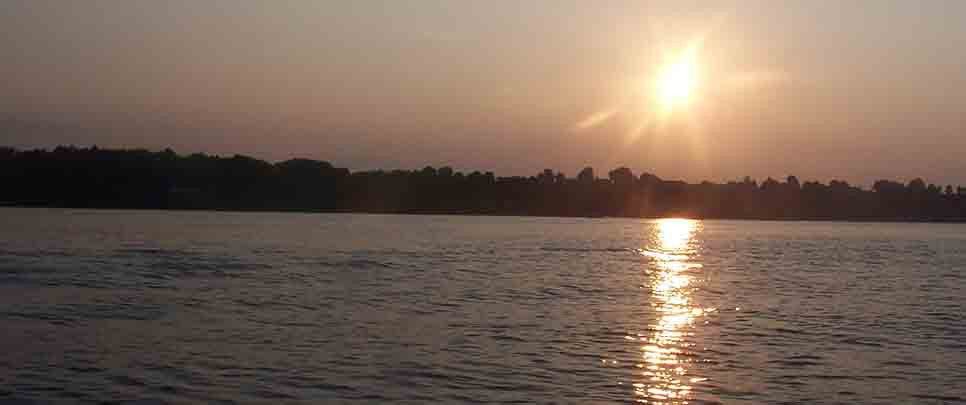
column 667, row 347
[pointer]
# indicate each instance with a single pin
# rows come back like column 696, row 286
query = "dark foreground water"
column 203, row 307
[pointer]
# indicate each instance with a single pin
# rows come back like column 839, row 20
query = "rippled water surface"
column 205, row 307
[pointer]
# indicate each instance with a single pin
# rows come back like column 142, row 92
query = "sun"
column 677, row 81
column 667, row 96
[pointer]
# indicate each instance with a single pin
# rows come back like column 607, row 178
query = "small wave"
column 857, row 341
column 86, row 312
column 662, row 256
column 943, row 398
column 153, row 252
column 795, row 363
column 37, row 254
column 361, row 264
column 898, row 363
column 584, row 250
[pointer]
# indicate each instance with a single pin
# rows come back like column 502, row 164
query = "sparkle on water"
column 193, row 306
column 664, row 375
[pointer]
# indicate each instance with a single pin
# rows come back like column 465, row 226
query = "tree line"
column 110, row 178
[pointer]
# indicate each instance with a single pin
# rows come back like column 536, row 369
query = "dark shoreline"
column 141, row 179
column 443, row 214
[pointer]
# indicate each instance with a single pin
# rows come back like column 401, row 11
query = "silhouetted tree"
column 77, row 177
column 622, row 177
column 546, row 177
column 770, row 184
column 917, row 185
column 586, row 176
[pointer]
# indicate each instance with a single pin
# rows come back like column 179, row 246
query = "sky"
column 856, row 90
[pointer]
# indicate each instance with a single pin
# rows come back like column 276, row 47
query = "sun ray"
column 595, row 119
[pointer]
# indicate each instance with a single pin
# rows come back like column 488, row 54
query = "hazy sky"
column 856, row 90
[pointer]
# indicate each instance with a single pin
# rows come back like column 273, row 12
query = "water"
column 204, row 307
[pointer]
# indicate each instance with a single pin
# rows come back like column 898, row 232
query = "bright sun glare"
column 668, row 92
column 676, row 83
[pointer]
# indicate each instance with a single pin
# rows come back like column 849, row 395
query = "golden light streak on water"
column 666, row 357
